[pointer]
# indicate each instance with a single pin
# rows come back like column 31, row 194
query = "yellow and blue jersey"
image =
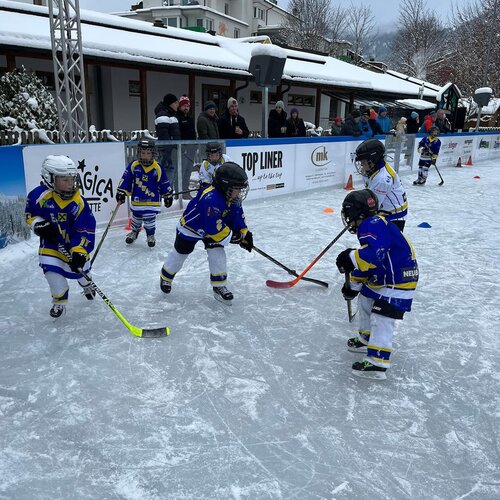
column 145, row 185
column 429, row 148
column 208, row 215
column 386, row 264
column 74, row 222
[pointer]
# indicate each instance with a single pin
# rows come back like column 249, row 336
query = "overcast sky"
column 385, row 11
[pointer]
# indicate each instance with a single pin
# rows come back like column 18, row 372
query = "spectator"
column 207, row 123
column 442, row 122
column 383, row 120
column 295, row 126
column 429, row 121
column 276, row 123
column 337, row 126
column 188, row 133
column 351, row 125
column 373, row 123
column 412, row 123
column 364, row 125
column 401, row 126
column 167, row 129
column 231, row 124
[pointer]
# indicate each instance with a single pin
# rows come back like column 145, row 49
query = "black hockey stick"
column 287, row 269
column 115, row 211
column 349, row 302
column 440, row 176
column 137, row 332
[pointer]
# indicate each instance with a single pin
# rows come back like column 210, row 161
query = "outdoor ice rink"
column 257, row 401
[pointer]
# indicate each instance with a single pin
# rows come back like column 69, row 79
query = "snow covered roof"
column 416, row 104
column 107, row 36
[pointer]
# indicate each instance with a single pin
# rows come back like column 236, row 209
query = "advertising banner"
column 100, row 165
column 451, row 146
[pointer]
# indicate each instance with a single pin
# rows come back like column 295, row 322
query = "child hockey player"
column 384, row 269
column 383, row 181
column 215, row 216
column 214, row 160
column 146, row 183
column 428, row 148
column 60, row 216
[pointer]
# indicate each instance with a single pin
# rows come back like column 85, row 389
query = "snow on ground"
column 257, row 400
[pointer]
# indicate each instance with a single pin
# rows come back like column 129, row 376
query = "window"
column 258, row 13
column 174, row 22
column 209, row 24
column 236, row 33
column 226, row 9
column 301, row 100
column 199, row 23
column 134, row 88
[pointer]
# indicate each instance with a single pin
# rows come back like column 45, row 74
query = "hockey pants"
column 146, row 218
column 59, row 288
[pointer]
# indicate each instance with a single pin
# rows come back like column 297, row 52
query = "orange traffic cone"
column 459, row 162
column 469, row 161
column 128, row 227
column 349, row 185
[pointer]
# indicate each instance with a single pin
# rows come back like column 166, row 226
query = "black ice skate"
column 89, row 292
column 151, row 240
column 131, row 237
column 355, row 345
column 222, row 294
column 166, row 286
column 57, row 310
column 419, row 182
column 366, row 370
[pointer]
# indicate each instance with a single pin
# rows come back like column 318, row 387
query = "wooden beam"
column 317, row 111
column 143, row 78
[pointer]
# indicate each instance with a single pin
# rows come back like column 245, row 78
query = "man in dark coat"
column 231, row 124
column 208, row 122
column 276, row 123
column 412, row 123
column 351, row 125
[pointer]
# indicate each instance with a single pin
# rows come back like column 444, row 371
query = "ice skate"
column 151, row 240
column 57, row 310
column 222, row 294
column 166, row 286
column 366, row 370
column 131, row 237
column 355, row 345
column 89, row 292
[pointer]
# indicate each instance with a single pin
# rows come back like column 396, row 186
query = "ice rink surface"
column 257, row 400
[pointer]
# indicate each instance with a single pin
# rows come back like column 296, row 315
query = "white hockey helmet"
column 60, row 166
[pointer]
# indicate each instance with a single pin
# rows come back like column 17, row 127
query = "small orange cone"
column 349, row 185
column 469, row 161
column 328, row 210
column 459, row 162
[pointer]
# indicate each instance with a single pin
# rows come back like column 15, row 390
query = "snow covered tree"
column 420, row 39
column 360, row 28
column 25, row 103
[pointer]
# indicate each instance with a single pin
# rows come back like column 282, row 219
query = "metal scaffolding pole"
column 69, row 77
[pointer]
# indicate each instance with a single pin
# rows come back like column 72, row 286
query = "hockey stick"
column 349, row 302
column 137, row 332
column 287, row 269
column 115, row 211
column 289, row 284
column 440, row 176
column 183, row 192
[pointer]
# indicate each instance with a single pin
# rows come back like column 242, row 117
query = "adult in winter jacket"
column 337, row 126
column 364, row 125
column 295, row 126
column 276, row 123
column 442, row 123
column 383, row 120
column 429, row 122
column 188, row 133
column 231, row 124
column 167, row 129
column 412, row 123
column 208, row 122
column 350, row 126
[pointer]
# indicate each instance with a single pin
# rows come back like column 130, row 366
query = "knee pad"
column 183, row 246
column 383, row 308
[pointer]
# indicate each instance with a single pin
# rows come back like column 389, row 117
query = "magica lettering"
column 96, row 189
column 264, row 160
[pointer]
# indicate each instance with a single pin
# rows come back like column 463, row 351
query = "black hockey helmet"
column 357, row 206
column 146, row 145
column 371, row 150
column 213, row 147
column 228, row 177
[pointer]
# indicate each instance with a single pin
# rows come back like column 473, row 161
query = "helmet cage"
column 371, row 150
column 213, row 148
column 229, row 177
column 60, row 166
column 358, row 206
column 146, row 145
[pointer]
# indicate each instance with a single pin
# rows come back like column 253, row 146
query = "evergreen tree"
column 25, row 103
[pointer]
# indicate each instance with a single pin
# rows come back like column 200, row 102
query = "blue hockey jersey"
column 429, row 148
column 145, row 186
column 208, row 215
column 386, row 265
column 74, row 221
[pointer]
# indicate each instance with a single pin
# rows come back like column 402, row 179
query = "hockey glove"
column 433, row 161
column 45, row 230
column 344, row 262
column 247, row 242
column 236, row 238
column 348, row 292
column 120, row 196
column 210, row 243
column 168, row 199
column 77, row 261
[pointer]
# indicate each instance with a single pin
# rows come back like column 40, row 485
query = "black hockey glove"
column 236, row 238
column 247, row 242
column 344, row 262
column 77, row 261
column 45, row 230
column 168, row 199
column 348, row 292
column 433, row 161
column 120, row 196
